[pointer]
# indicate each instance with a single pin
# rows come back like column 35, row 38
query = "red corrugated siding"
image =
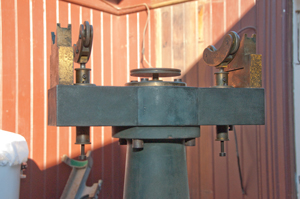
column 267, row 152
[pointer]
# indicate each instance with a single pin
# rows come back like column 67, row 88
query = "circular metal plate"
column 155, row 83
column 162, row 72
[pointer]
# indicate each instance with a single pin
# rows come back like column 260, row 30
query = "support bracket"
column 76, row 185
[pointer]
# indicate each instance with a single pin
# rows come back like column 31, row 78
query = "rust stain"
column 61, row 62
column 246, row 67
column 255, row 71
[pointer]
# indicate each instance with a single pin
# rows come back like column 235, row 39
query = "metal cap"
column 160, row 72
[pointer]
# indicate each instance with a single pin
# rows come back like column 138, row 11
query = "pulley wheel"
column 159, row 72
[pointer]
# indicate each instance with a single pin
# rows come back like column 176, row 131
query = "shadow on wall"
column 50, row 183
column 211, row 176
column 266, row 151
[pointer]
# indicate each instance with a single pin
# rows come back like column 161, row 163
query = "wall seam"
column 1, row 68
column 17, row 67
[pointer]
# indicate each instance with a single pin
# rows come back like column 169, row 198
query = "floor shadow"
column 50, row 183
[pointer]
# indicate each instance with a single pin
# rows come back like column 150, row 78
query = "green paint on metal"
column 75, row 163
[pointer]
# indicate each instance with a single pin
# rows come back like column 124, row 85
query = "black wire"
column 238, row 160
column 235, row 137
column 245, row 28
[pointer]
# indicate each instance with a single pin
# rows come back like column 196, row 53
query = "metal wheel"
column 155, row 72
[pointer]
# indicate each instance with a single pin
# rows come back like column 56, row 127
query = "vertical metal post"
column 157, row 171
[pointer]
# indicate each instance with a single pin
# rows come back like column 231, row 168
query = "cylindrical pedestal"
column 83, row 135
column 158, row 170
column 82, row 75
column 221, row 78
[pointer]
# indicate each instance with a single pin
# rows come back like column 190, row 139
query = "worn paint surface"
column 175, row 38
column 61, row 58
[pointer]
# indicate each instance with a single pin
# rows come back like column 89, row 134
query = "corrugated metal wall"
column 25, row 61
column 176, row 38
column 267, row 152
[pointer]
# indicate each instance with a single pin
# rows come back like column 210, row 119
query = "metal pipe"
column 222, row 153
column 82, row 150
column 159, row 170
column 222, row 135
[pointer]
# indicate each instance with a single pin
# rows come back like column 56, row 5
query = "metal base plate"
column 155, row 83
column 178, row 132
column 162, row 72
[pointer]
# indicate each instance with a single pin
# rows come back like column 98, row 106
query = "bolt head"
column 177, row 80
column 222, row 154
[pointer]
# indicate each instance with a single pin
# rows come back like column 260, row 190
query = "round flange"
column 151, row 72
column 155, row 83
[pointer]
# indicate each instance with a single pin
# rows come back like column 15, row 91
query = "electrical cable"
column 234, row 131
column 238, row 161
column 245, row 28
column 145, row 28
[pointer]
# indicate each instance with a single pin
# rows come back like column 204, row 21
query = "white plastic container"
column 10, row 181
column 13, row 152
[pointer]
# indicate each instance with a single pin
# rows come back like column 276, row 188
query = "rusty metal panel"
column 245, row 70
column 267, row 152
column 255, row 71
column 61, row 59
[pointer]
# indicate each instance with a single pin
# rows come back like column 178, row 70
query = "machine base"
column 158, row 170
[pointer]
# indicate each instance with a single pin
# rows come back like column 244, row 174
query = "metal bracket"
column 83, row 47
column 61, row 59
column 239, row 65
column 76, row 185
column 217, row 57
column 245, row 70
